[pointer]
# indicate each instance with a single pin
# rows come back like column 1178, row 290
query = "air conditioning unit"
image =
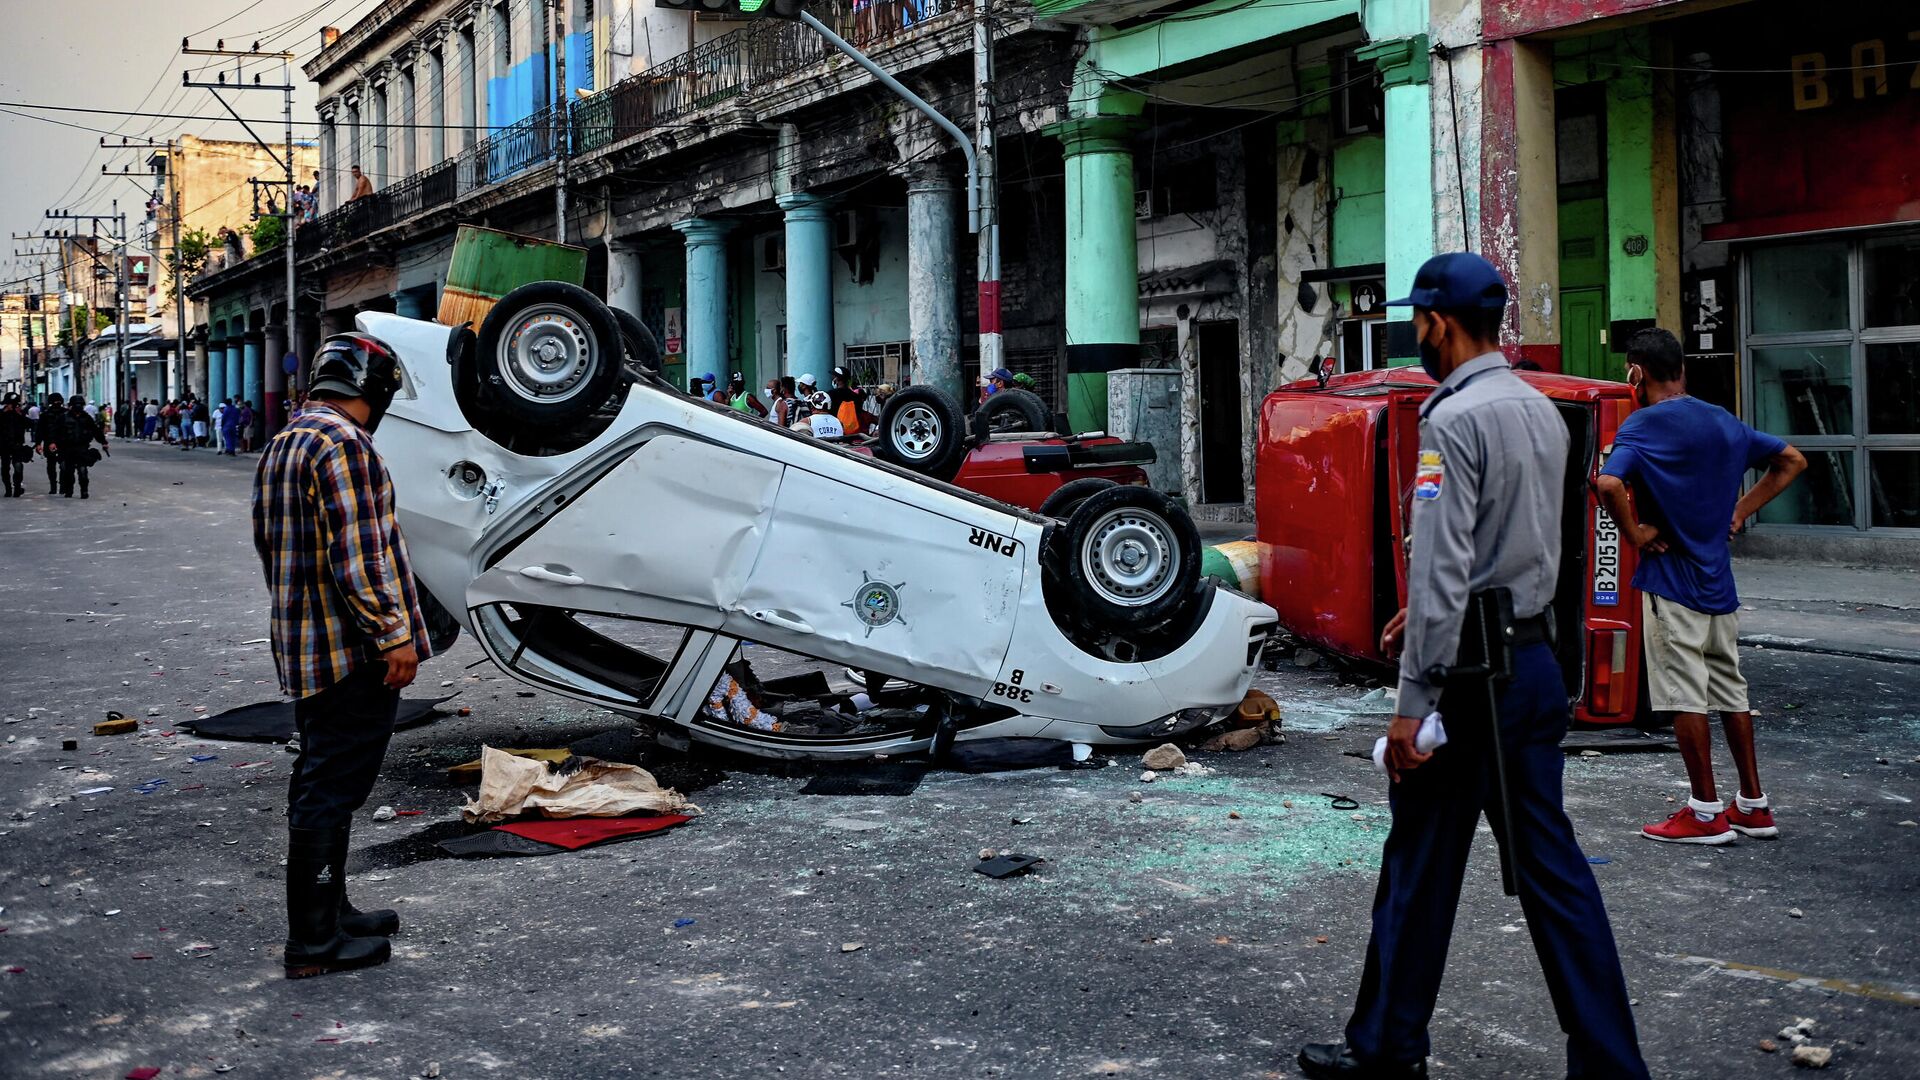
column 773, row 253
column 847, row 229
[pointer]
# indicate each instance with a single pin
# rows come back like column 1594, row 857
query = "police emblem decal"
column 1429, row 475
column 876, row 603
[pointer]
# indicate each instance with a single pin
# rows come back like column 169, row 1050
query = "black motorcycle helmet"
column 357, row 365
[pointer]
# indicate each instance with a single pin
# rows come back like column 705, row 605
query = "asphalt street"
column 1204, row 931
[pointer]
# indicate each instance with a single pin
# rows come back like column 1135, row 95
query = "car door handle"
column 541, row 573
column 783, row 621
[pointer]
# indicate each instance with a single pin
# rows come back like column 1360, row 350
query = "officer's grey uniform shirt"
column 1486, row 511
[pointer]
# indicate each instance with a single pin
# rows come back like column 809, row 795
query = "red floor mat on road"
column 576, row 833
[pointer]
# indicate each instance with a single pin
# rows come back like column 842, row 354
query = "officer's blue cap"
column 1454, row 281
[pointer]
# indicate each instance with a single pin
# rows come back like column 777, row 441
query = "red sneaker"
column 1757, row 823
column 1685, row 827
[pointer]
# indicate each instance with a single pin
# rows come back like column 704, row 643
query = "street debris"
column 1004, row 866
column 580, row 787
column 1148, row 776
column 272, row 721
column 1134, row 797
column 384, row 813
column 1795, row 913
column 468, row 772
column 852, row 946
column 1812, row 1057
column 681, row 924
column 144, row 1072
column 551, row 837
column 1233, row 741
column 1768, row 1046
column 116, row 724
column 1164, row 757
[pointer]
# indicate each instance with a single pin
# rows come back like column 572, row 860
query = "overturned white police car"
column 612, row 540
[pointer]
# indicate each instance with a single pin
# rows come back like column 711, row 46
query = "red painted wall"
column 1518, row 18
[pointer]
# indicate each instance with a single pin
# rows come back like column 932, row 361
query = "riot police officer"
column 76, row 436
column 53, row 416
column 14, row 446
column 1486, row 523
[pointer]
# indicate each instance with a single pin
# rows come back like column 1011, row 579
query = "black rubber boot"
column 382, row 922
column 316, row 880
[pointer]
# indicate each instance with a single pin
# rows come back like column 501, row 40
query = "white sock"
column 1745, row 804
column 1707, row 811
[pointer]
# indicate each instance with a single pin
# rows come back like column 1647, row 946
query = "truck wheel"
column 1128, row 560
column 1071, row 494
column 548, row 353
column 922, row 429
column 1014, row 409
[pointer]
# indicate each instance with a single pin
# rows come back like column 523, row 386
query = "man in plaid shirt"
column 347, row 636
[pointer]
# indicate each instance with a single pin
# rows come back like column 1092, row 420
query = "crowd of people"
column 842, row 410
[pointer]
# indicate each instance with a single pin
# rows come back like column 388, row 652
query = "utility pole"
column 180, row 387
column 992, row 350
column 562, row 116
column 30, row 358
column 122, row 386
column 273, row 375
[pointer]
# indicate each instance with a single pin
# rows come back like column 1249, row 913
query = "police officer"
column 1486, row 515
column 75, row 438
column 46, row 428
column 14, row 446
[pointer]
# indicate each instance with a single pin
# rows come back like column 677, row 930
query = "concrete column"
column 196, row 381
column 275, row 390
column 216, row 374
column 236, row 380
column 1404, row 69
column 706, row 302
column 1103, row 273
column 253, row 378
column 810, row 346
column 1519, row 205
column 933, row 304
column 410, row 304
column 623, row 277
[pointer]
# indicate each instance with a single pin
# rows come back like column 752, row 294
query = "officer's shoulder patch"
column 1430, row 474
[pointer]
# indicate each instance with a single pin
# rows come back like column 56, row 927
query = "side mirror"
column 1325, row 371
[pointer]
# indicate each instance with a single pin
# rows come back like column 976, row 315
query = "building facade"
column 1221, row 194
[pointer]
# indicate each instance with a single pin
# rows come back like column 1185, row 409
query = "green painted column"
column 1103, row 275
column 1632, row 288
column 1404, row 69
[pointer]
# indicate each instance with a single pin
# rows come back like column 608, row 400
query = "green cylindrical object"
column 488, row 264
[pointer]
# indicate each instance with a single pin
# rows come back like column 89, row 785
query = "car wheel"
column 921, row 430
column 547, row 354
column 1129, row 558
column 1071, row 494
column 637, row 343
column 1014, row 409
column 442, row 628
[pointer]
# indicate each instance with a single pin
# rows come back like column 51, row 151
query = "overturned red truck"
column 1333, row 496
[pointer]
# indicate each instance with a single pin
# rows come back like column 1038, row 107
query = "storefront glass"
column 1833, row 365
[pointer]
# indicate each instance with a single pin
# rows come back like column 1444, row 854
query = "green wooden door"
column 1583, row 291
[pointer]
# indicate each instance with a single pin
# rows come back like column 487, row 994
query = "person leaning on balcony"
column 362, row 187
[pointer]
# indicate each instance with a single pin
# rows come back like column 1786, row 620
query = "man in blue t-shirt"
column 1685, row 461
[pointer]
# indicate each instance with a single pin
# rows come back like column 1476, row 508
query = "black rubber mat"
column 880, row 778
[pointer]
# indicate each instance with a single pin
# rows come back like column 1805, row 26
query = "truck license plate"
column 1606, row 560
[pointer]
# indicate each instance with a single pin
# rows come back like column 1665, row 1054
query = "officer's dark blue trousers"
column 1436, row 809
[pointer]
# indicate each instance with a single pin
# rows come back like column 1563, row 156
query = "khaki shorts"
column 1693, row 659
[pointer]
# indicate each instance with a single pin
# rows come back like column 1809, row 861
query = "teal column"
column 216, row 372
column 706, row 303
column 236, row 367
column 253, row 375
column 809, row 285
column 1408, row 114
column 1103, row 269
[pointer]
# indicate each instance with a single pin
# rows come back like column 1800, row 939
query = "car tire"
column 1014, row 409
column 547, row 354
column 640, row 347
column 922, row 430
column 442, row 628
column 1126, row 561
column 1071, row 494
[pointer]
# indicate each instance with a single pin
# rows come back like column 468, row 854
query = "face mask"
column 1638, row 387
column 1430, row 360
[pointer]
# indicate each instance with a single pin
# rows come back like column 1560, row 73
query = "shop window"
column 1803, row 390
column 1893, row 478
column 1799, row 288
column 1822, row 496
column 1893, row 389
column 1892, row 272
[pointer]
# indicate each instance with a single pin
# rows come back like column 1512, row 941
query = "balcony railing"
column 757, row 54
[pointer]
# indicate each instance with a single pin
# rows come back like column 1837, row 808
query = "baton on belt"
column 1486, row 657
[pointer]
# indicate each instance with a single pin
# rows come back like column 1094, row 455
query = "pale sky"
column 124, row 55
